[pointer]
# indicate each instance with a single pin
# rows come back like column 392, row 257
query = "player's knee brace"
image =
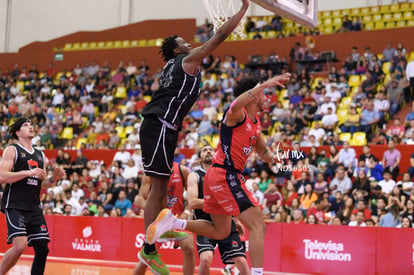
column 41, row 250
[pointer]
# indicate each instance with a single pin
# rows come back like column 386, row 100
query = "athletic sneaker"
column 163, row 223
column 154, row 263
column 226, row 271
column 172, row 236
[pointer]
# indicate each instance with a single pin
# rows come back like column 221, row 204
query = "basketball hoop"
column 222, row 10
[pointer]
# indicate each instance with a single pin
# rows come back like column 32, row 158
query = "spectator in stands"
column 317, row 210
column 75, row 208
column 276, row 23
column 359, row 219
column 391, row 219
column 387, row 184
column 397, row 59
column 329, row 120
column 349, row 65
column 396, row 129
column 341, row 182
column 88, row 110
column 388, row 53
column 257, row 36
column 250, row 25
column 382, row 106
column 391, row 159
column 369, row 118
column 357, row 24
column 261, row 24
column 347, row 157
column 397, row 197
column 122, row 156
column 409, row 211
column 323, row 108
column 123, row 203
column 346, row 24
column 308, row 197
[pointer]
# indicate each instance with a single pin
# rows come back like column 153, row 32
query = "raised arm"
column 235, row 113
column 191, row 61
column 6, row 166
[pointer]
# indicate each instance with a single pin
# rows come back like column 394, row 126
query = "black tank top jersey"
column 199, row 214
column 25, row 193
column 177, row 93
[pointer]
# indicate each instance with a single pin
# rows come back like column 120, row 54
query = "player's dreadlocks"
column 168, row 46
column 244, row 84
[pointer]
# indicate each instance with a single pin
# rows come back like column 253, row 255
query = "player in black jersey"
column 179, row 89
column 23, row 170
column 231, row 248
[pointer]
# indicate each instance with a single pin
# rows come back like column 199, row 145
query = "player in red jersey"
column 225, row 193
column 176, row 202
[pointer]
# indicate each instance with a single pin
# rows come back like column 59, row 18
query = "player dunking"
column 179, row 89
column 231, row 248
column 176, row 202
column 225, row 193
column 23, row 170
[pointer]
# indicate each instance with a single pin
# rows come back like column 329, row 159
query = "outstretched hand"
column 279, row 80
column 58, row 173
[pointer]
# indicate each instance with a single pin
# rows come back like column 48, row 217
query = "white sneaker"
column 163, row 223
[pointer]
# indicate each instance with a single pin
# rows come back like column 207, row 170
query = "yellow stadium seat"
column 326, row 13
column 385, row 8
column 387, row 17
column 151, row 42
column 147, row 98
column 67, row 47
column 386, row 67
column 117, row 44
column 364, row 10
column 142, row 43
column 283, row 93
column 408, row 15
column 337, row 21
column 122, row 108
column 92, row 45
column 109, row 44
column 158, row 42
column 366, row 18
column 354, row 80
column 397, row 16
column 342, row 115
column 369, row 26
column 314, row 122
column 336, row 13
column 96, row 111
column 121, row 92
column 410, row 57
column 328, row 30
column 355, row 11
column 379, row 25
column 404, row 6
column 121, row 131
column 390, row 25
column 359, row 139
column 84, row 45
column 377, row 17
column 220, row 116
column 20, row 85
column 76, row 46
column 80, row 141
column 394, row 7
column 345, row 137
column 345, row 102
column 346, row 12
column 129, row 129
column 134, row 43
column 125, row 43
column 401, row 24
column 374, row 9
column 410, row 23
column 285, row 103
column 327, row 21
column 67, row 133
column 101, row 44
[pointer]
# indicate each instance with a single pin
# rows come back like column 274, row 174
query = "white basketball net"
column 221, row 10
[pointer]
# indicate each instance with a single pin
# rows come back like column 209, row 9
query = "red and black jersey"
column 175, row 190
column 236, row 143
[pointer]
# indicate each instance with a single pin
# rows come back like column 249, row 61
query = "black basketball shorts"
column 158, row 143
column 26, row 223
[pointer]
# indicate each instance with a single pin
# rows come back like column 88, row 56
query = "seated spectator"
column 323, row 108
column 258, row 195
column 351, row 123
column 272, row 197
column 409, row 212
column 357, row 24
column 391, row 159
column 300, row 183
column 391, row 219
column 362, row 182
column 297, row 217
column 359, row 219
column 250, row 25
column 410, row 115
column 341, row 182
column 317, row 211
column 396, row 129
column 329, row 120
column 362, row 207
column 347, row 157
column 397, row 197
column 346, row 24
column 123, row 203
column 317, row 132
column 382, row 106
column 337, row 204
column 308, row 197
column 387, row 184
column 369, row 118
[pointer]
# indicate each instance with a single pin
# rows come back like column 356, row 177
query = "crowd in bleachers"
column 99, row 107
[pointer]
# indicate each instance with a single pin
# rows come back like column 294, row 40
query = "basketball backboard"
column 303, row 12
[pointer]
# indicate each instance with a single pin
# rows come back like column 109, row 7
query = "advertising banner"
column 326, row 249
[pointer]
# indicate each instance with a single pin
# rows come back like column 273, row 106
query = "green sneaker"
column 153, row 262
column 172, row 236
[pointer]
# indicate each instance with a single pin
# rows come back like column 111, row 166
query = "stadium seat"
column 386, row 67
column 337, row 21
column 142, row 43
column 401, row 24
column 377, row 17
column 408, row 15
column 369, row 26
column 336, row 13
column 121, row 131
column 345, row 137
column 125, row 43
column 76, row 46
column 92, row 45
column 346, row 12
column 410, row 23
column 128, row 130
column 20, row 85
column 117, row 44
column 394, row 7
column 80, row 141
column 364, row 10
column 387, row 17
column 327, row 21
column 390, row 25
column 374, row 9
column 147, row 98
column 67, row 47
column 122, row 108
column 121, row 92
column 404, row 6
column 384, row 8
column 134, row 43
column 354, row 80
column 379, row 25
column 342, row 115
column 109, row 44
column 84, row 45
column 215, row 140
column 397, row 16
column 328, row 30
column 101, row 44
column 345, row 102
column 358, row 139
column 220, row 116
column 67, row 133
column 326, row 13
column 355, row 12
column 367, row 18
column 410, row 57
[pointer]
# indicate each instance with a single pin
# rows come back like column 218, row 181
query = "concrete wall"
column 42, row 20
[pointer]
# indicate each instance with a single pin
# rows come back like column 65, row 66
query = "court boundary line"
column 123, row 264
